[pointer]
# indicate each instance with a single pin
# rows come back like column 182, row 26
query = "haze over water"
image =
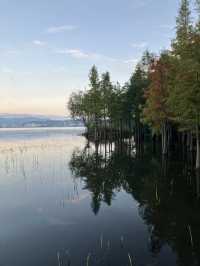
column 59, row 196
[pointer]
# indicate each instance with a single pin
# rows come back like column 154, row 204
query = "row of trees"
column 108, row 106
column 103, row 99
column 163, row 93
column 173, row 96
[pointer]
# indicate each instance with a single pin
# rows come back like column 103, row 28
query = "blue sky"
column 48, row 46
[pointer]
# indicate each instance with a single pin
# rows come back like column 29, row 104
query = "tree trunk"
column 164, row 138
column 154, row 143
column 198, row 184
column 198, row 148
column 191, row 142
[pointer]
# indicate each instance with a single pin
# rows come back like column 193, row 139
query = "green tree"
column 94, row 93
column 183, row 29
column 77, row 106
column 106, row 94
column 185, row 91
column 135, row 100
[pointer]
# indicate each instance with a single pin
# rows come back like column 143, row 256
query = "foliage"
column 156, row 109
column 163, row 92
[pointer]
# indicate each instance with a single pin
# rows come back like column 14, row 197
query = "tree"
column 185, row 91
column 198, row 15
column 135, row 100
column 75, row 105
column 183, row 29
column 94, row 94
column 163, row 91
column 106, row 94
column 156, row 111
column 117, row 102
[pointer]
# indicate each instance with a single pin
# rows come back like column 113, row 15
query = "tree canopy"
column 162, row 93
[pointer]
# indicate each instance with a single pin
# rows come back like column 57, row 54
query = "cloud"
column 100, row 59
column 140, row 45
column 79, row 54
column 39, row 43
column 57, row 29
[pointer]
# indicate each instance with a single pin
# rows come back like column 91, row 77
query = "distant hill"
column 24, row 120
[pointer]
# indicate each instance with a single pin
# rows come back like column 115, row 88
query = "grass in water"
column 191, row 238
column 101, row 241
column 58, row 257
column 122, row 241
column 88, row 259
column 108, row 244
column 68, row 258
column 130, row 259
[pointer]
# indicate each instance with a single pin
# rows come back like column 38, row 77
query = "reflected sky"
column 47, row 208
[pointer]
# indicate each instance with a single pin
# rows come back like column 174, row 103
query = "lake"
column 64, row 201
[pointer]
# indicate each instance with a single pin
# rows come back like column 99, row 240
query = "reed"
column 122, row 241
column 101, row 241
column 190, row 233
column 88, row 259
column 108, row 244
column 130, row 259
column 58, row 257
column 68, row 258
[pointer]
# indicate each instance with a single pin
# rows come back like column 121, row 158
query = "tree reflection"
column 167, row 193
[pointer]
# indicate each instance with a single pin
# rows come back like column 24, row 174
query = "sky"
column 47, row 47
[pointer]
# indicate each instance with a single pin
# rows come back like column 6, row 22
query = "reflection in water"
column 167, row 193
column 94, row 204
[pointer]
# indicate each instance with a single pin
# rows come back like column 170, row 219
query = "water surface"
column 62, row 197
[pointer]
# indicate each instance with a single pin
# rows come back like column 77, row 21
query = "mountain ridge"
column 32, row 120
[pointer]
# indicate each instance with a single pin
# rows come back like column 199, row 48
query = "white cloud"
column 39, row 43
column 140, row 45
column 79, row 54
column 57, row 29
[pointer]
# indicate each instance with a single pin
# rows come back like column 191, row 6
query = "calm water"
column 62, row 197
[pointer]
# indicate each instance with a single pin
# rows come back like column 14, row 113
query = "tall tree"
column 156, row 111
column 185, row 91
column 106, row 94
column 75, row 105
column 183, row 28
column 198, row 16
column 135, row 100
column 94, row 94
